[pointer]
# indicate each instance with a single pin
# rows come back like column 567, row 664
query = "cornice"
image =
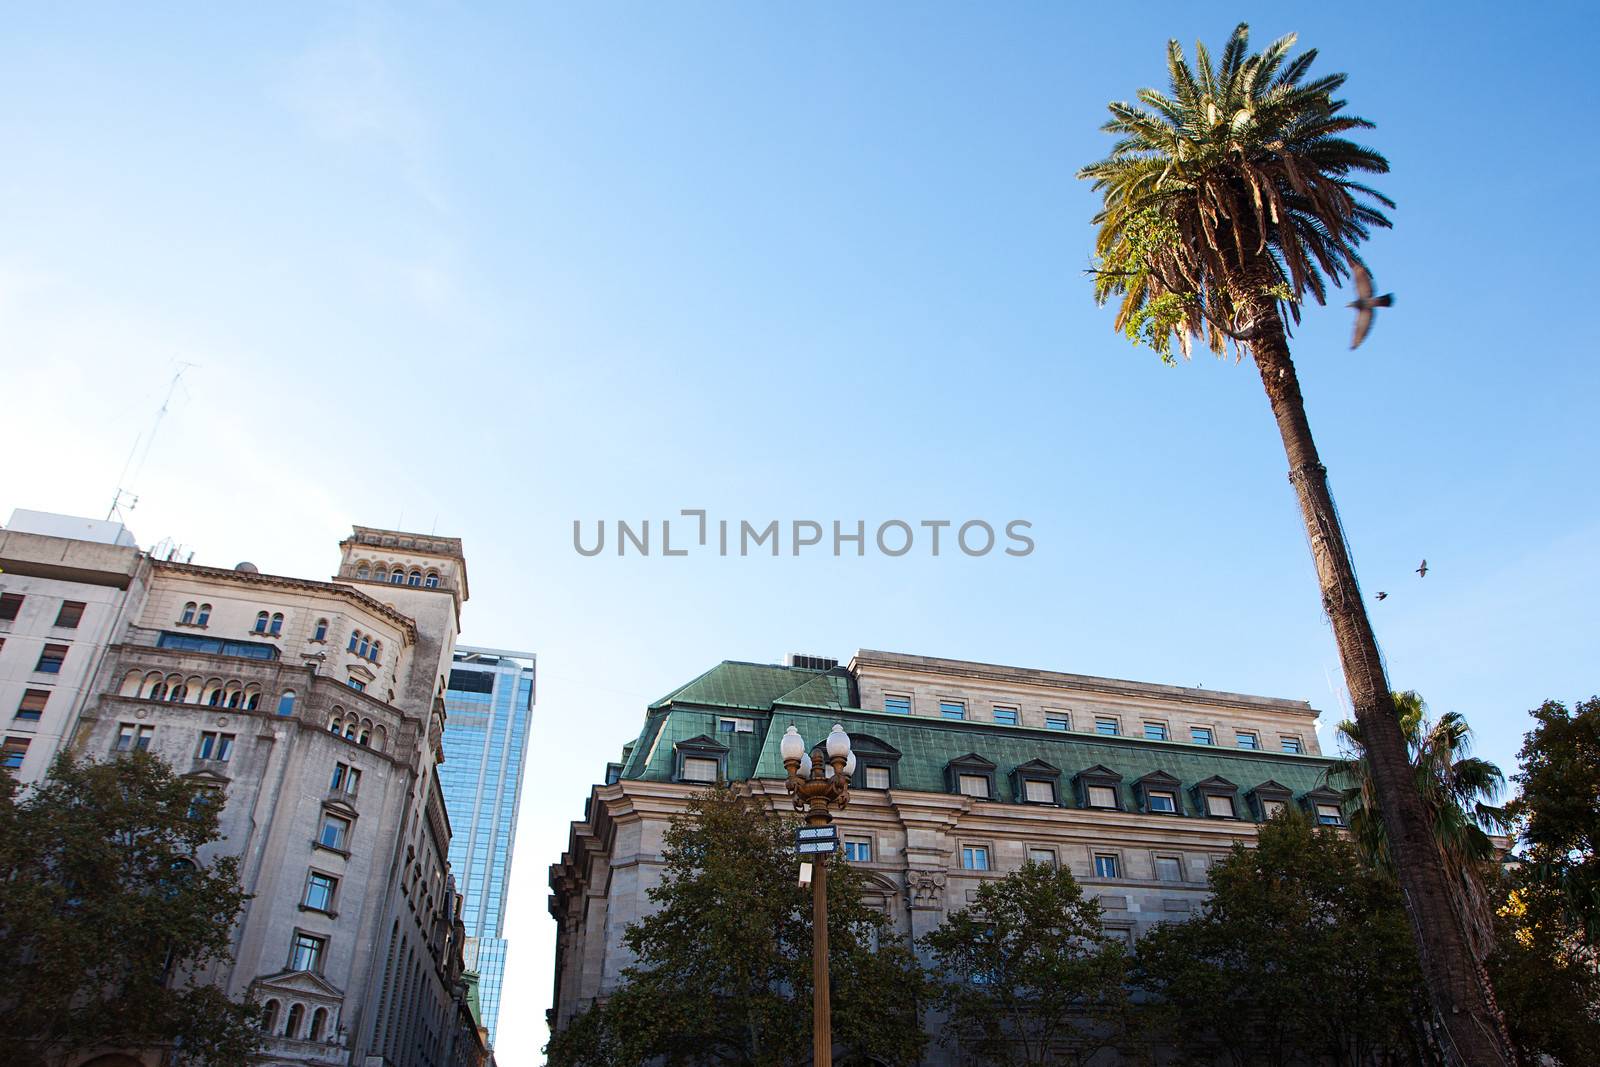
column 355, row 596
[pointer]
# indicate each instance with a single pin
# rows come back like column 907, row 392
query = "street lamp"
column 817, row 792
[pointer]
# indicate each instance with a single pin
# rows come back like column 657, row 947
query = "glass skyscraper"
column 488, row 704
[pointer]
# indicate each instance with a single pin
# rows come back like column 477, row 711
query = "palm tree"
column 1458, row 791
column 1224, row 205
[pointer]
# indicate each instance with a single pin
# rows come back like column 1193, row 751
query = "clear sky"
column 487, row 272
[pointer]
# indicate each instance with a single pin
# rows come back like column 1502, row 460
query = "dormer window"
column 1099, row 787
column 701, row 761
column 970, row 775
column 1325, row 805
column 1158, row 793
column 1218, row 798
column 1268, row 799
column 875, row 762
column 1036, row 782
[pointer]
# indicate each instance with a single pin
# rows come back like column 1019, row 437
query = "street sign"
column 809, row 840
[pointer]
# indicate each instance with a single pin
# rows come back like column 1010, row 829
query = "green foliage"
column 1546, row 979
column 1303, row 952
column 1559, row 808
column 1028, row 976
column 108, row 923
column 1228, row 199
column 724, row 963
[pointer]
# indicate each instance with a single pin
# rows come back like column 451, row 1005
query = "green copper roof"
column 775, row 697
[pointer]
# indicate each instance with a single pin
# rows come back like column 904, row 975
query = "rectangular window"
column 1291, row 744
column 208, row 745
column 336, row 783
column 973, row 785
column 877, row 778
column 975, row 857
column 1155, row 731
column 1164, row 802
column 1045, row 856
column 51, row 659
column 1102, row 796
column 70, row 615
column 32, row 707
column 1038, row 792
column 357, row 684
column 897, row 705
column 1169, row 869
column 1201, row 735
column 306, row 955
column 736, row 726
column 319, row 891
column 858, row 849
column 952, row 709
column 1247, row 739
column 132, row 737
column 13, row 752
column 1219, row 805
column 1108, row 727
column 1105, row 865
column 699, row 769
column 1269, row 808
column 335, row 832
column 10, row 604
column 1057, row 720
column 1330, row 815
column 1005, row 716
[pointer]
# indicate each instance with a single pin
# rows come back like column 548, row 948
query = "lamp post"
column 817, row 792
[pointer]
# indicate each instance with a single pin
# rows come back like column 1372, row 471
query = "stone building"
column 965, row 772
column 315, row 711
column 65, row 583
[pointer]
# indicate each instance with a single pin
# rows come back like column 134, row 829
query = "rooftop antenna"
column 148, row 440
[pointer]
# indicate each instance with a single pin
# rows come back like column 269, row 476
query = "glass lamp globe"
column 793, row 746
column 838, row 742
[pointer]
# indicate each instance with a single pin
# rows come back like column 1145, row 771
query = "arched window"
column 321, row 632
column 319, row 1019
column 397, row 576
column 252, row 699
column 286, row 702
column 377, row 651
column 217, row 696
column 432, row 580
column 361, row 570
column 261, row 622
column 204, row 616
column 269, row 1016
column 277, row 624
column 355, row 635
column 366, row 736
column 235, row 697
column 178, row 694
column 362, row 651
column 297, row 1014
column 334, row 725
column 350, row 731
column 157, row 691
column 188, row 613
column 414, row 578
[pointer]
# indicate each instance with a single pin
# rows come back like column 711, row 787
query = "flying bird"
column 1383, row 596
column 1364, row 303
column 1422, row 569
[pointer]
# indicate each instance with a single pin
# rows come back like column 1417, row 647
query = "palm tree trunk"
column 1473, row 1031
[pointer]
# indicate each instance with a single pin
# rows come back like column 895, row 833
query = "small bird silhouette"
column 1422, row 569
column 1364, row 303
column 1383, row 596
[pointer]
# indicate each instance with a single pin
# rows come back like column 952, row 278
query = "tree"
column 1545, row 974
column 107, row 922
column 1457, row 790
column 724, row 963
column 1303, row 953
column 1559, row 808
column 1223, row 206
column 1027, row 974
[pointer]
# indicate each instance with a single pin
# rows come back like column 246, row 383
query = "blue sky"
column 492, row 270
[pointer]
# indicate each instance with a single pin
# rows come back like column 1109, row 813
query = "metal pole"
column 821, row 1008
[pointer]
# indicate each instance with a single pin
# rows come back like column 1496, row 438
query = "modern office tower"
column 964, row 771
column 489, row 701
column 64, row 584
column 315, row 710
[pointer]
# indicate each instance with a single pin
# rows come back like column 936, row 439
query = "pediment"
column 1100, row 772
column 1160, row 780
column 702, row 743
column 1039, row 768
column 867, row 745
column 1273, row 790
column 972, row 759
column 1323, row 795
column 360, row 673
column 208, row 778
column 1216, row 784
column 299, row 983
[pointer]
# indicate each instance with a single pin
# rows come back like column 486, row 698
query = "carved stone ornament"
column 925, row 889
